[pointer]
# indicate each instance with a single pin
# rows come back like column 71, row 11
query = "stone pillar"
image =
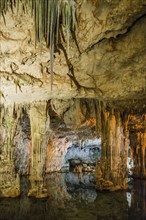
column 9, row 179
column 39, row 121
column 111, row 170
column 137, row 128
column 138, row 151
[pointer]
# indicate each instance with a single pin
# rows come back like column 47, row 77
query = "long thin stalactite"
column 49, row 16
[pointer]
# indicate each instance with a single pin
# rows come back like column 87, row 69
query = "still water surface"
column 75, row 198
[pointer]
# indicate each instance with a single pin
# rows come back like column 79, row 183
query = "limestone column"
column 143, row 153
column 9, row 179
column 138, row 148
column 111, row 170
column 40, row 122
column 137, row 128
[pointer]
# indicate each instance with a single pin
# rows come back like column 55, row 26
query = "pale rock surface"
column 67, row 146
column 110, row 64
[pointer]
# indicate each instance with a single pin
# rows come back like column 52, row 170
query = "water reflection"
column 75, row 198
column 137, row 209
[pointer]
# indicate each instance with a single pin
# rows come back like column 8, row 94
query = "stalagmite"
column 39, row 121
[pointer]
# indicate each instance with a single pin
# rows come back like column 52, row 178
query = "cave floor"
column 73, row 197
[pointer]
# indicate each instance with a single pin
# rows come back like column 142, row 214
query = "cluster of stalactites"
column 9, row 180
column 138, row 154
column 111, row 170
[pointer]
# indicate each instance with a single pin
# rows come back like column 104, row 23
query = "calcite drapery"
column 140, row 155
column 39, row 121
column 114, row 127
column 137, row 127
column 111, row 170
column 9, row 179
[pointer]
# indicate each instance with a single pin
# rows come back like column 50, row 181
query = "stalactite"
column 113, row 164
column 97, row 106
column 78, row 112
column 9, row 179
column 138, row 151
column 137, row 127
column 2, row 113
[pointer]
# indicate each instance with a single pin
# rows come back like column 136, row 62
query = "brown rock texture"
column 137, row 127
column 9, row 179
column 39, row 121
column 111, row 170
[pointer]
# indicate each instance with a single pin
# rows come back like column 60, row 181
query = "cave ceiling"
column 106, row 59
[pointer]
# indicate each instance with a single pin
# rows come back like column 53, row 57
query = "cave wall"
column 36, row 140
column 106, row 58
column 105, row 64
column 73, row 133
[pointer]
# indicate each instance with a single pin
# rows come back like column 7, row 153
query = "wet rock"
column 22, row 154
column 9, row 178
column 84, row 153
column 84, row 180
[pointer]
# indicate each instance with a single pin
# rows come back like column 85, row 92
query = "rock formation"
column 9, row 179
column 98, row 91
column 137, row 127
